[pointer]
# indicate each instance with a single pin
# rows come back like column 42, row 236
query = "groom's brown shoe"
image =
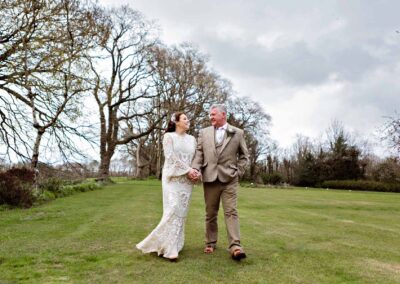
column 238, row 254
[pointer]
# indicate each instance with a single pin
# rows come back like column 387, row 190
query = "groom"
column 221, row 157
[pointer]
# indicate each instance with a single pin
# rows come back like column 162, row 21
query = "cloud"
column 307, row 62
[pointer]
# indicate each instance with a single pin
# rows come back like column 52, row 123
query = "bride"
column 179, row 147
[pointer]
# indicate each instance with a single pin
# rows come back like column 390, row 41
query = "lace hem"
column 166, row 239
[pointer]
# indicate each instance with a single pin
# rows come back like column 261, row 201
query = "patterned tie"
column 219, row 135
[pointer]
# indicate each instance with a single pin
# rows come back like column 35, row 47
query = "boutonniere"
column 230, row 130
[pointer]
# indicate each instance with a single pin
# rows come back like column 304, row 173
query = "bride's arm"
column 176, row 167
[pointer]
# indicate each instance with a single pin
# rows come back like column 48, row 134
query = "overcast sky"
column 306, row 62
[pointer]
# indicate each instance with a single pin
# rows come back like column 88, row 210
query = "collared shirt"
column 220, row 132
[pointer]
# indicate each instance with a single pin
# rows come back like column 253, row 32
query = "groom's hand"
column 194, row 175
column 197, row 175
column 191, row 174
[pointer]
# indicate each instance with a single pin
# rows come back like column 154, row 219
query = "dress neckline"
column 180, row 135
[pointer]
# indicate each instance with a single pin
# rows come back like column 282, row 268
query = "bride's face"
column 183, row 122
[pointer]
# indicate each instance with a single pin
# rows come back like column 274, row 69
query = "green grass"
column 290, row 236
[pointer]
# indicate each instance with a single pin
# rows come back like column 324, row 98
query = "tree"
column 124, row 97
column 391, row 133
column 288, row 170
column 305, row 171
column 343, row 159
column 42, row 48
column 184, row 83
column 250, row 116
column 387, row 170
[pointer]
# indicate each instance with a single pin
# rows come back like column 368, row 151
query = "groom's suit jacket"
column 224, row 161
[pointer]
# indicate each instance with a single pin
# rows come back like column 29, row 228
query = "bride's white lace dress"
column 168, row 237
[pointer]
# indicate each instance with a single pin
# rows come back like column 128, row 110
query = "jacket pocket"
column 233, row 167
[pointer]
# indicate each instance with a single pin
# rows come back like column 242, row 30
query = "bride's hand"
column 191, row 174
column 194, row 175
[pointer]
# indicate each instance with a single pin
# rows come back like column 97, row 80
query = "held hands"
column 194, row 175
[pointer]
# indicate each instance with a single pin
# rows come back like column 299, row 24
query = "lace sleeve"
column 173, row 165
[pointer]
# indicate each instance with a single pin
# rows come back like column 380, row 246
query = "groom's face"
column 217, row 117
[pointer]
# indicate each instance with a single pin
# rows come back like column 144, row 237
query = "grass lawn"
column 290, row 236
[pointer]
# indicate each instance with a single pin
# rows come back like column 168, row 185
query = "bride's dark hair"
column 172, row 122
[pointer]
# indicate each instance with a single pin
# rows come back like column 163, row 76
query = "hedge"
column 363, row 185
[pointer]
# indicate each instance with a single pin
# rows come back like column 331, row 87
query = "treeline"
column 340, row 160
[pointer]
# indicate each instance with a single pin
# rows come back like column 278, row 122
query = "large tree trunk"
column 140, row 165
column 107, row 149
column 106, row 146
column 104, row 167
column 106, row 154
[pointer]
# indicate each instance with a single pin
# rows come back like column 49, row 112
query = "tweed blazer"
column 227, row 163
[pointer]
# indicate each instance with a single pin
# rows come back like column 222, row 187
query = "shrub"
column 364, row 185
column 66, row 190
column 14, row 192
column 83, row 187
column 274, row 178
column 24, row 175
column 75, row 181
column 87, row 187
column 46, row 196
column 52, row 184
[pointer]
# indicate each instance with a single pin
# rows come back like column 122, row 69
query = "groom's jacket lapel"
column 226, row 140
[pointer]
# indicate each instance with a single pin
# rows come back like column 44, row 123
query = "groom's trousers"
column 214, row 192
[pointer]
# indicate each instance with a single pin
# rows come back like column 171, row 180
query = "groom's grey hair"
column 220, row 107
